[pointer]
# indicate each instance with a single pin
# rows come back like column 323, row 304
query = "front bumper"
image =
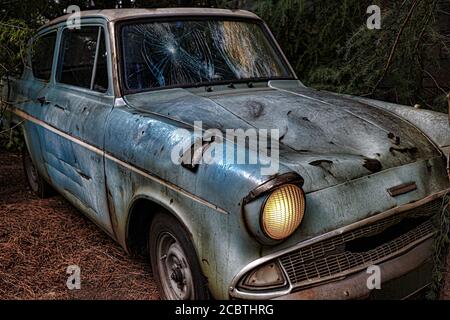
column 401, row 277
column 403, row 255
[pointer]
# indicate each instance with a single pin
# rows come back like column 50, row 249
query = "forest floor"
column 40, row 238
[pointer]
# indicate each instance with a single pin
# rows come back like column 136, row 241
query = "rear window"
column 42, row 56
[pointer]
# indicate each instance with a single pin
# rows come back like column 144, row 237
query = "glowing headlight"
column 283, row 212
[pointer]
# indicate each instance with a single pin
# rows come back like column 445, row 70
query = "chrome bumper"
column 355, row 286
column 352, row 284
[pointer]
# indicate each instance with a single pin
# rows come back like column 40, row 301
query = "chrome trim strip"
column 234, row 292
column 133, row 168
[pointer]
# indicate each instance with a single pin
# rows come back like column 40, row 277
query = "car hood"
column 326, row 138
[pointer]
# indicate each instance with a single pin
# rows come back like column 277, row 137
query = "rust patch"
column 412, row 150
column 112, row 213
column 395, row 140
column 205, row 261
column 324, row 164
column 318, row 163
column 284, row 134
column 373, row 165
column 402, row 189
column 255, row 109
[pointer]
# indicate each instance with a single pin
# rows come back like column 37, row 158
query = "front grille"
column 361, row 247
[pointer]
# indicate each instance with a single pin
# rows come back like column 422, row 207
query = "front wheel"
column 174, row 261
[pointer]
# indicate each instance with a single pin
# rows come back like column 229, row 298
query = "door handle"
column 42, row 101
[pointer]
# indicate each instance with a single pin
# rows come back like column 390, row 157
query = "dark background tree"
column 407, row 61
column 327, row 42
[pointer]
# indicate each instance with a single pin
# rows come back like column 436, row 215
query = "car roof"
column 125, row 14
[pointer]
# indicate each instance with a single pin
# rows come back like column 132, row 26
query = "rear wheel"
column 37, row 184
column 174, row 261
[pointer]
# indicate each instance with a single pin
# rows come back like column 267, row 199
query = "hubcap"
column 174, row 269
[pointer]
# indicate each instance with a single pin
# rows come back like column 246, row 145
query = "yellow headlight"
column 283, row 212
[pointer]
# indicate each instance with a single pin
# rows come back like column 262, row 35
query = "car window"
column 100, row 83
column 78, row 64
column 189, row 53
column 42, row 52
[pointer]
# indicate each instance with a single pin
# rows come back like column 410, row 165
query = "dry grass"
column 39, row 239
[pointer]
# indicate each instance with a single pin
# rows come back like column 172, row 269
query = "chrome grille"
column 330, row 257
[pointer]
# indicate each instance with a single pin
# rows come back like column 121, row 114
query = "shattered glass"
column 183, row 53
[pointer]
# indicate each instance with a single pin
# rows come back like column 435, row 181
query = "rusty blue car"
column 105, row 99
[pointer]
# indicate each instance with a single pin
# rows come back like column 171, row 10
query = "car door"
column 31, row 89
column 78, row 106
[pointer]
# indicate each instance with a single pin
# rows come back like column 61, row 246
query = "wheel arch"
column 140, row 216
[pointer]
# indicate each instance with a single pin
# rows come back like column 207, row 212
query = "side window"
column 83, row 58
column 101, row 71
column 42, row 52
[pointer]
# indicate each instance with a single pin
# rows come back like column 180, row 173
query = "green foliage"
column 11, row 138
column 14, row 141
column 14, row 35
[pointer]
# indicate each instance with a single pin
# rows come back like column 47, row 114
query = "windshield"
column 192, row 53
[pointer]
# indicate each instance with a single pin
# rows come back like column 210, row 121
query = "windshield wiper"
column 231, row 83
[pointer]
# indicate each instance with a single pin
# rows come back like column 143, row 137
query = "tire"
column 174, row 261
column 35, row 181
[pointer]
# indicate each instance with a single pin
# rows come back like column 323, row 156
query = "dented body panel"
column 106, row 151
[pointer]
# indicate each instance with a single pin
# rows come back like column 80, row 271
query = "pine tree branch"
column 430, row 14
column 435, row 82
column 394, row 47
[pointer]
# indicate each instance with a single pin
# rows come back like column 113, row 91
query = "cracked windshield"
column 193, row 53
